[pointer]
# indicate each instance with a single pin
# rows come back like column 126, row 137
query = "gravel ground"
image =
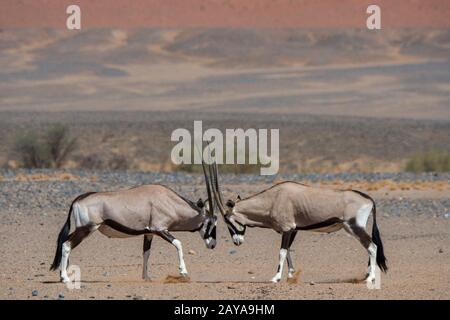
column 414, row 225
column 38, row 195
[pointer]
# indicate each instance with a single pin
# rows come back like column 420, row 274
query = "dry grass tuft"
column 56, row 176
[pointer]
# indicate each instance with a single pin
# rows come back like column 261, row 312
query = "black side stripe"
column 323, row 224
column 124, row 229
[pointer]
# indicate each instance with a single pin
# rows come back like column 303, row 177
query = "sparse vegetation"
column 225, row 168
column 59, row 144
column 97, row 162
column 430, row 161
column 48, row 151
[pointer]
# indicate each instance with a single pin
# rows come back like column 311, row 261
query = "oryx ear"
column 200, row 203
column 239, row 197
column 230, row 203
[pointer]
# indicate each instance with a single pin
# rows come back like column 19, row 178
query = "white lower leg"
column 373, row 261
column 277, row 277
column 177, row 245
column 64, row 260
column 291, row 269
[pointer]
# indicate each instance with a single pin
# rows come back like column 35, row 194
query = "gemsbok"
column 145, row 210
column 289, row 206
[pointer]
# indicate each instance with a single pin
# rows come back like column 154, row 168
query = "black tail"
column 62, row 237
column 376, row 238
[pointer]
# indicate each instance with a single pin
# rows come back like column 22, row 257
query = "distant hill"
column 392, row 73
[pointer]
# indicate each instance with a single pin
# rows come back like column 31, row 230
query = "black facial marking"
column 232, row 227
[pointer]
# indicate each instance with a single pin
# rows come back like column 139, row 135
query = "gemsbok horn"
column 289, row 206
column 145, row 210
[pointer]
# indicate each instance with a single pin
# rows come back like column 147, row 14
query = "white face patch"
column 238, row 239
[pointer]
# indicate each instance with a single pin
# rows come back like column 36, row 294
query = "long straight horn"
column 215, row 185
column 208, row 190
column 216, row 180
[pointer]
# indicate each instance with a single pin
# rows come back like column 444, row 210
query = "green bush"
column 430, row 161
column 49, row 150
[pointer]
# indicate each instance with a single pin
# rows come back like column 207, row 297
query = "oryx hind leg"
column 146, row 254
column 285, row 240
column 177, row 244
column 353, row 228
column 75, row 238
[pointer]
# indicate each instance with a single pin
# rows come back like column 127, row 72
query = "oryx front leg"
column 177, row 244
column 282, row 257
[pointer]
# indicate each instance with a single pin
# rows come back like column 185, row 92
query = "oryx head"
column 236, row 229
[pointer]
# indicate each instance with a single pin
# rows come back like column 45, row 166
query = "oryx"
column 145, row 210
column 289, row 206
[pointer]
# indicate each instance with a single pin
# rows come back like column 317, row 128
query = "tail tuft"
column 376, row 238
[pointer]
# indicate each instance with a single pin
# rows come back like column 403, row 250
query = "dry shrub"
column 48, row 151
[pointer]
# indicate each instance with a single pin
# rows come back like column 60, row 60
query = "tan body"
column 152, row 207
column 145, row 210
column 289, row 205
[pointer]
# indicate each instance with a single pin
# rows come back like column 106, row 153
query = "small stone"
column 106, row 274
column 312, row 283
column 137, row 298
column 440, row 250
column 250, row 272
column 192, row 252
column 447, row 215
column 34, row 293
column 108, row 286
column 60, row 296
column 232, row 251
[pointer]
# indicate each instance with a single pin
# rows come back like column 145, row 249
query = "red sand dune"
column 230, row 13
